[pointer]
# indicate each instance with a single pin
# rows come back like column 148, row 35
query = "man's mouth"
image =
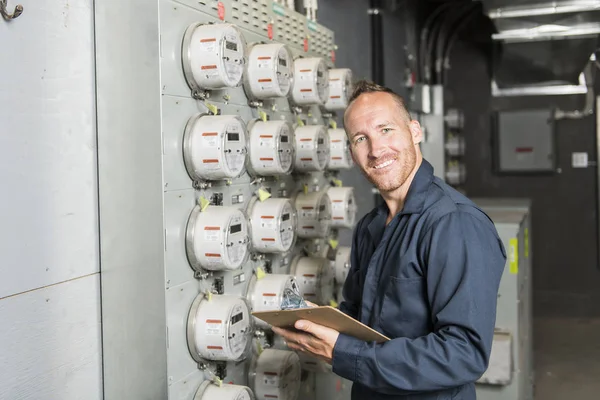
column 385, row 164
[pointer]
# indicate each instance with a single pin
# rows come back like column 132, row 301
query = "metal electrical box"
column 510, row 376
column 524, row 141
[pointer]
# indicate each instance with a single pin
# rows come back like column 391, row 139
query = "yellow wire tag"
column 337, row 182
column 259, row 348
column 262, row 115
column 333, row 303
column 333, row 243
column 263, row 195
column 305, row 188
column 212, row 108
column 218, row 381
column 208, row 295
column 203, row 203
column 260, row 273
column 300, row 122
column 332, row 124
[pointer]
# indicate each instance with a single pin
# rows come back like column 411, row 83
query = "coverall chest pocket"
column 405, row 310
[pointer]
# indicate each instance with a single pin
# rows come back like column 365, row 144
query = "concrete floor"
column 567, row 359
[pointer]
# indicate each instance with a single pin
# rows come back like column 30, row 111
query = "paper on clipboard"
column 324, row 315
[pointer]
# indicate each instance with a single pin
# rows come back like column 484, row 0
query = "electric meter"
column 342, row 263
column 217, row 238
column 456, row 173
column 270, row 71
column 213, row 56
column 214, row 147
column 275, row 374
column 219, row 328
column 339, row 153
column 271, row 148
column 312, row 148
column 314, row 214
column 343, row 206
column 273, row 224
column 311, row 81
column 210, row 391
column 340, row 89
column 312, row 364
column 455, row 146
column 266, row 293
column 313, row 277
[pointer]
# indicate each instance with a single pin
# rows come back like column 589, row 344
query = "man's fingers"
column 314, row 329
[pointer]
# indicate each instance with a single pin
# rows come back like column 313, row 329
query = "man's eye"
column 360, row 139
column 386, row 130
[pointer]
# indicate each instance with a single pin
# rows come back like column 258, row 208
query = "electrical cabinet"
column 511, row 372
column 229, row 99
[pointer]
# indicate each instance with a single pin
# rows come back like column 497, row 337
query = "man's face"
column 383, row 140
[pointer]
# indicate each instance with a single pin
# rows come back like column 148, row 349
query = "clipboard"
column 323, row 315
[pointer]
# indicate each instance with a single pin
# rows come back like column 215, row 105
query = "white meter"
column 219, row 328
column 456, row 173
column 342, row 264
column 213, row 56
column 311, row 81
column 217, row 238
column 210, row 391
column 314, row 214
column 214, row 147
column 275, row 374
column 343, row 206
column 312, row 148
column 273, row 224
column 339, row 153
column 271, row 148
column 313, row 277
column 312, row 364
column 455, row 146
column 266, row 293
column 270, row 71
column 340, row 89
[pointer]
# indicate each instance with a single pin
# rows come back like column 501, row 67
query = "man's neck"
column 396, row 198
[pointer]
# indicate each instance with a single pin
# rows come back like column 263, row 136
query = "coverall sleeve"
column 463, row 263
column 352, row 289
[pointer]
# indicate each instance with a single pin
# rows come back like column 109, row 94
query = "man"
column 425, row 272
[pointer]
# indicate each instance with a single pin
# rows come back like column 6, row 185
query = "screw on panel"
column 200, row 94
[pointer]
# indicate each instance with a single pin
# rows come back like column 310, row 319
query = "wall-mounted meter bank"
column 214, row 147
column 211, row 391
column 343, row 206
column 270, row 71
column 217, row 238
column 266, row 293
column 271, row 148
column 275, row 374
column 273, row 224
column 313, row 277
column 219, row 328
column 213, row 56
column 339, row 153
column 311, row 81
column 314, row 214
column 312, row 148
column 340, row 89
column 342, row 264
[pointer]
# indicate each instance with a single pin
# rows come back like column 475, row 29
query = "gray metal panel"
column 131, row 201
column 525, row 141
column 50, row 343
column 49, row 212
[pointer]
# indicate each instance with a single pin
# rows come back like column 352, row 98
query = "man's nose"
column 377, row 147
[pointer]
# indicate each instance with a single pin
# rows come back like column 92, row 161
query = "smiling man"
column 426, row 266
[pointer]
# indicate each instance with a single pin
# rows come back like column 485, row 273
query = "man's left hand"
column 314, row 339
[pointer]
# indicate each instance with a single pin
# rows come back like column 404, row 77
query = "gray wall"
column 350, row 22
column 49, row 263
column 566, row 277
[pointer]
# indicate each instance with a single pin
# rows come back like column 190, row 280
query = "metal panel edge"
column 132, row 239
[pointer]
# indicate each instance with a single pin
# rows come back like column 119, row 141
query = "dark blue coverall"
column 428, row 281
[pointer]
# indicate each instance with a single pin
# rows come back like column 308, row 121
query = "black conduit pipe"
column 425, row 32
column 375, row 15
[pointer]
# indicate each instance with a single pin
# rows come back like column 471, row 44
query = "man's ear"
column 415, row 131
